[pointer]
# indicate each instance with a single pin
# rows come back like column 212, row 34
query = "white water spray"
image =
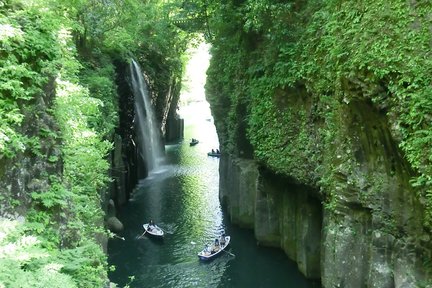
column 150, row 147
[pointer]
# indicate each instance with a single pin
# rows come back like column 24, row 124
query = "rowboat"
column 153, row 230
column 212, row 250
column 194, row 142
column 213, row 154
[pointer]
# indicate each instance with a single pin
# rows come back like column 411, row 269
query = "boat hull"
column 213, row 154
column 154, row 231
column 206, row 256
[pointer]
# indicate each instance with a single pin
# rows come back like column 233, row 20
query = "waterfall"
column 149, row 147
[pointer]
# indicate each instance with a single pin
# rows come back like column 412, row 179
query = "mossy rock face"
column 27, row 171
column 3, row 167
column 334, row 103
column 372, row 213
column 346, row 238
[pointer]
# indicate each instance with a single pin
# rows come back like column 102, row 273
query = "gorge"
column 322, row 111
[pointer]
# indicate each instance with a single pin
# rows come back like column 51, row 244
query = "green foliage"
column 391, row 50
column 266, row 17
column 23, row 70
column 86, row 263
column 36, row 46
column 372, row 51
column 25, row 263
column 55, row 197
column 125, row 28
column 100, row 82
column 85, row 164
column 63, row 50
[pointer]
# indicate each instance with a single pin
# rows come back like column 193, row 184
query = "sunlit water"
column 182, row 198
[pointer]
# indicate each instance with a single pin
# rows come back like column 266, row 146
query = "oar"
column 142, row 234
column 229, row 253
column 122, row 238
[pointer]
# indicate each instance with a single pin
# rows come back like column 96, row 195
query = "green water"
column 182, row 198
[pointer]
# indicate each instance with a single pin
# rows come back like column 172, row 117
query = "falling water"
column 150, row 146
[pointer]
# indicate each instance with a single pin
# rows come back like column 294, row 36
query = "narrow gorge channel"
column 183, row 199
column 322, row 112
column 182, row 196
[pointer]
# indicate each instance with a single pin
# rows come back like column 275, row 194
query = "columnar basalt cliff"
column 322, row 152
column 282, row 213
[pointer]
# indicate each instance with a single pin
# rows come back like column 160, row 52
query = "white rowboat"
column 212, row 250
column 153, row 230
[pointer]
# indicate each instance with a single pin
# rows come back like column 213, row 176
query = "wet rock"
column 114, row 224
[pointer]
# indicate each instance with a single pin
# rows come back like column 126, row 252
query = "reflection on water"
column 182, row 198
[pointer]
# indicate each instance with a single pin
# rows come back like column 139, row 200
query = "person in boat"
column 151, row 225
column 216, row 245
column 207, row 250
column 222, row 240
column 213, row 151
column 217, row 151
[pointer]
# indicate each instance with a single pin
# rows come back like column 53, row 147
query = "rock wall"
column 374, row 227
column 172, row 125
column 27, row 171
column 313, row 96
column 370, row 235
column 282, row 214
column 127, row 168
column 238, row 188
column 174, row 128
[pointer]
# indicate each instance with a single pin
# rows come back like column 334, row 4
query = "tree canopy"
column 59, row 108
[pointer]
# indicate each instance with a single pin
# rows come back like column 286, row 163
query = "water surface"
column 182, row 198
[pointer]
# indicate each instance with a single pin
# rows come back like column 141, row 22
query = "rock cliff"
column 319, row 146
column 126, row 167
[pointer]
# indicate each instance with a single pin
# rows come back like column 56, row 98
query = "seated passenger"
column 207, row 250
column 222, row 240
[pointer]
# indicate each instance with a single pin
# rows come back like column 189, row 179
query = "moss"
column 336, row 98
column 297, row 83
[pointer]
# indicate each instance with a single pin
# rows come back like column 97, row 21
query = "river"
column 182, row 198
